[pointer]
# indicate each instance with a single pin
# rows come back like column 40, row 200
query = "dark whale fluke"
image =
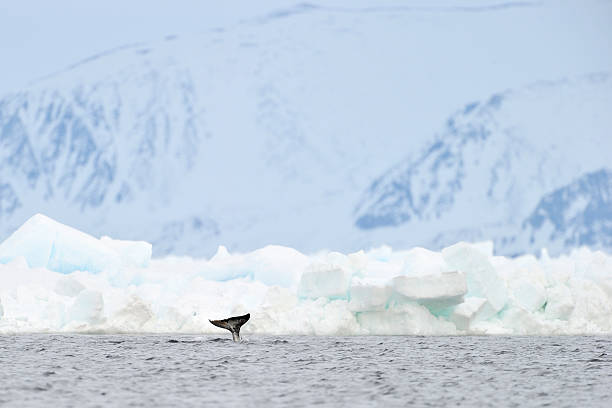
column 233, row 324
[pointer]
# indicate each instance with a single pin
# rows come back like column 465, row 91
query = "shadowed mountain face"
column 508, row 162
column 575, row 215
column 272, row 131
column 103, row 144
column 425, row 188
column 94, row 145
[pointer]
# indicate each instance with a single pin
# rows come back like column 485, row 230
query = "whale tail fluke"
column 233, row 324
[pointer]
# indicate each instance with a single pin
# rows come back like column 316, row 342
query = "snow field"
column 54, row 278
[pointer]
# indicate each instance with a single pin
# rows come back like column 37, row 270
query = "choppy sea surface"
column 180, row 370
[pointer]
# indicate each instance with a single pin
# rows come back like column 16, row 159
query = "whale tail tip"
column 233, row 324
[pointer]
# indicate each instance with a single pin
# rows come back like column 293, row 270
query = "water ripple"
column 130, row 370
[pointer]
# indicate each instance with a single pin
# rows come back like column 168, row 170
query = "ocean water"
column 188, row 370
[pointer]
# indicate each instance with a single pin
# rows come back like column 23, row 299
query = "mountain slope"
column 268, row 131
column 483, row 175
column 575, row 215
column 94, row 144
column 98, row 145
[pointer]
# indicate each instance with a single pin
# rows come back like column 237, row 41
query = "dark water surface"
column 178, row 370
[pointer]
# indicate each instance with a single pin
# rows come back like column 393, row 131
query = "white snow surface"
column 54, row 278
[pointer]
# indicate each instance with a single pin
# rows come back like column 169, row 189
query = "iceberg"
column 469, row 312
column 482, row 278
column 54, row 278
column 327, row 281
column 529, row 295
column 437, row 291
column 406, row 319
column 560, row 303
column 368, row 295
column 44, row 242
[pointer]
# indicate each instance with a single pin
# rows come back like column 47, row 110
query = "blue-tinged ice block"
column 367, row 294
column 482, row 278
column 44, row 242
column 470, row 311
column 437, row 292
column 324, row 280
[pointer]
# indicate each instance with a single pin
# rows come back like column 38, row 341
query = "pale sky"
column 38, row 37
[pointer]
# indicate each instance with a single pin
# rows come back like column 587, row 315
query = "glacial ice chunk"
column 405, row 319
column 136, row 254
column 528, row 294
column 88, row 307
column 469, row 312
column 486, row 247
column 521, row 321
column 46, row 243
column 560, row 303
column 368, row 295
column 286, row 292
column 421, row 261
column 437, row 292
column 132, row 316
column 272, row 265
column 277, row 265
column 324, row 280
column 221, row 254
column 68, row 286
column 482, row 278
column 358, row 261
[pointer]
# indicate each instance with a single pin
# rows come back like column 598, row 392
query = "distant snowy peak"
column 425, row 187
column 269, row 130
column 487, row 170
column 97, row 142
column 575, row 215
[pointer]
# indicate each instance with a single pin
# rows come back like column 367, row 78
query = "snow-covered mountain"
column 504, row 163
column 94, row 144
column 270, row 131
column 98, row 145
column 575, row 215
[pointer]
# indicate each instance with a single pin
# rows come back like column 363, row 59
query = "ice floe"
column 54, row 278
